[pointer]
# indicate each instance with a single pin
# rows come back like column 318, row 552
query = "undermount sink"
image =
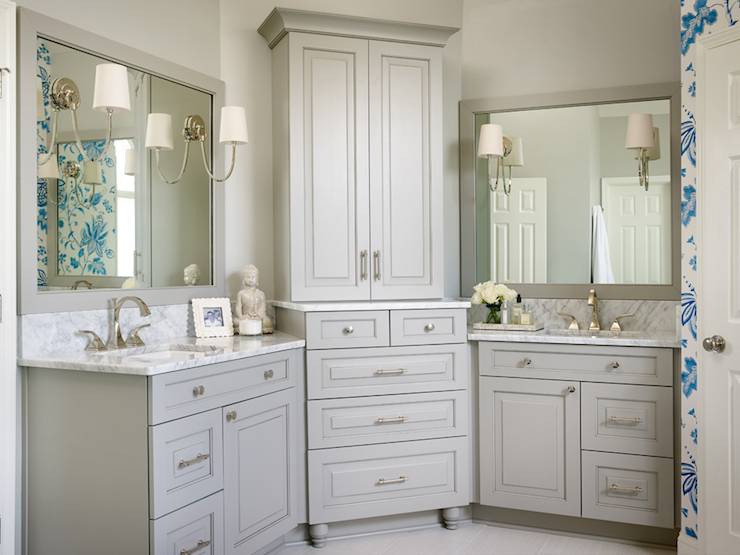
column 162, row 353
column 595, row 333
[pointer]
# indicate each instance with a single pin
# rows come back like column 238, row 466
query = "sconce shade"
column 516, row 156
column 111, row 88
column 159, row 131
column 93, row 173
column 129, row 167
column 491, row 140
column 639, row 131
column 233, row 125
column 49, row 170
column 652, row 153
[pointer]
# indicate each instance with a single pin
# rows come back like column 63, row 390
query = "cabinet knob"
column 571, row 389
column 527, row 362
column 269, row 374
column 614, row 365
column 429, row 327
column 348, row 330
column 231, row 416
column 198, row 390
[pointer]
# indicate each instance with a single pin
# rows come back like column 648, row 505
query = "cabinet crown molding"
column 282, row 21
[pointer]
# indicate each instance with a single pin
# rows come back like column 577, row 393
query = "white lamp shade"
column 491, row 140
column 93, row 174
column 516, row 156
column 111, row 88
column 49, row 170
column 129, row 167
column 233, row 125
column 639, row 131
column 159, row 131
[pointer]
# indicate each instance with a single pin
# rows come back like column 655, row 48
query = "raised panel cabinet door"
column 530, row 451
column 406, row 153
column 329, row 238
column 260, row 471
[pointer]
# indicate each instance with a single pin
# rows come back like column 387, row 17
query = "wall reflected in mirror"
column 105, row 219
column 576, row 212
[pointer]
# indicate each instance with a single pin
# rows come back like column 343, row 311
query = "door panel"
column 329, row 207
column 406, row 170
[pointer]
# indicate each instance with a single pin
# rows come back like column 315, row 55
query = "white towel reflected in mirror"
column 601, row 264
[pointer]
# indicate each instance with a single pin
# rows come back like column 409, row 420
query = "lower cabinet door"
column 197, row 529
column 530, row 445
column 260, row 470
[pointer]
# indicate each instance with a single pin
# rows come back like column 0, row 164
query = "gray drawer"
column 387, row 418
column 628, row 488
column 427, row 327
column 197, row 529
column 337, row 330
column 390, row 370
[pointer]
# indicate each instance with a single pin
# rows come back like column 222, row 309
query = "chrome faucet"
column 593, row 302
column 116, row 339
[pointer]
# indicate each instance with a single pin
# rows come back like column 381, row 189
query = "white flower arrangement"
column 490, row 293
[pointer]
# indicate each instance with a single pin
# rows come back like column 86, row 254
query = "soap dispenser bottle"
column 516, row 311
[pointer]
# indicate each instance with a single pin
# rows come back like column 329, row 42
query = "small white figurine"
column 191, row 274
column 251, row 303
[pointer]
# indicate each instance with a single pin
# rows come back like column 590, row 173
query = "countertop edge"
column 539, row 337
column 334, row 306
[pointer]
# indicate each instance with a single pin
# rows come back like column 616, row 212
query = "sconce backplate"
column 64, row 94
column 194, row 129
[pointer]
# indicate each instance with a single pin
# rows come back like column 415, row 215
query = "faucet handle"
column 95, row 343
column 572, row 321
column 617, row 323
column 133, row 339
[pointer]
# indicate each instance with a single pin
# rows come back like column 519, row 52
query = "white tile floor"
column 473, row 539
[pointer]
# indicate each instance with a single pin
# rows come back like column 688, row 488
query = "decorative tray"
column 507, row 327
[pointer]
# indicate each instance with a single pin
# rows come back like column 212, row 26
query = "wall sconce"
column 643, row 138
column 502, row 151
column 111, row 94
column 159, row 138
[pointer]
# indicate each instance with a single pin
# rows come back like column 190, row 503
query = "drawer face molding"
column 627, row 419
column 186, row 461
column 338, row 330
column 636, row 365
column 359, row 372
column 426, row 327
column 197, row 529
column 365, row 420
column 628, row 488
column 358, row 482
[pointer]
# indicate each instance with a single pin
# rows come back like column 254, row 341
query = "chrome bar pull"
column 202, row 544
column 390, row 372
column 390, row 419
column 3, row 70
column 376, row 265
column 363, row 265
column 197, row 459
column 616, row 488
column 388, row 481
column 624, row 420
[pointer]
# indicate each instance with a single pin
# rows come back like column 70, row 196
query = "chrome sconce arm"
column 185, row 159
column 231, row 166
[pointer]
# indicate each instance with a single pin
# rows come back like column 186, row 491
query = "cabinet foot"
column 450, row 517
column 318, row 533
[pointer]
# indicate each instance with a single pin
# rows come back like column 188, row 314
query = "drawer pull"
column 429, row 327
column 388, row 481
column 269, row 374
column 231, row 416
column 390, row 419
column 616, row 488
column 349, row 330
column 571, row 389
column 614, row 365
column 390, row 372
column 202, row 544
column 198, row 390
column 199, row 458
column 625, row 420
column 527, row 362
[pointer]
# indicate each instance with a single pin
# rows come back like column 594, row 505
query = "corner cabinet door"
column 406, row 157
column 329, row 205
column 260, row 471
column 530, row 456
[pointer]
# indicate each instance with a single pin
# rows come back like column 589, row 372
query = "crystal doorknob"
column 715, row 343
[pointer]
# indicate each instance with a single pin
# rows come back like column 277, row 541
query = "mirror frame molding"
column 470, row 108
column 31, row 25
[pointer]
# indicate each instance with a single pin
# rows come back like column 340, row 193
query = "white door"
column 530, row 447
column 329, row 206
column 406, row 170
column 8, row 339
column 260, row 471
column 638, row 224
column 519, row 232
column 718, row 99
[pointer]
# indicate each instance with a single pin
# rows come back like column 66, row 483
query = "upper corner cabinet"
column 357, row 131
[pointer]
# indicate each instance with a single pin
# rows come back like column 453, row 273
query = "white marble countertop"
column 143, row 361
column 330, row 306
column 664, row 339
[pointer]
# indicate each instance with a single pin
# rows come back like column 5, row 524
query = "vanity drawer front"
column 381, row 419
column 338, row 330
column 633, row 419
column 377, row 480
column 197, row 529
column 593, row 363
column 185, row 461
column 427, row 327
column 177, row 394
column 360, row 372
column 628, row 488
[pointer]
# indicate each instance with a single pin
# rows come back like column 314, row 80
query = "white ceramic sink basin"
column 159, row 354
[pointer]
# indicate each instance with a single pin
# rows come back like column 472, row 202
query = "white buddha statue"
column 251, row 303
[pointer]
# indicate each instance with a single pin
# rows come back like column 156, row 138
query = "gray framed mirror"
column 99, row 212
column 567, row 207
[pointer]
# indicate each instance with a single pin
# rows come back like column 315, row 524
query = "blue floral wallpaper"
column 698, row 17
